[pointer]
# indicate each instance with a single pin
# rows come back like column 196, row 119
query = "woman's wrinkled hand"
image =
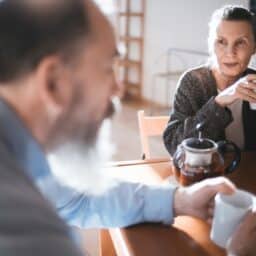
column 243, row 89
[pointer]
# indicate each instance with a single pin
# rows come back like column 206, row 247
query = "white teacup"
column 228, row 213
column 253, row 106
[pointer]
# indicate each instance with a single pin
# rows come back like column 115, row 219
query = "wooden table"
column 188, row 235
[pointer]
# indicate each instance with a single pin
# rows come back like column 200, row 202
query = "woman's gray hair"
column 229, row 13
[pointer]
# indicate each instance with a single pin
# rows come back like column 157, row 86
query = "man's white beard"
column 81, row 166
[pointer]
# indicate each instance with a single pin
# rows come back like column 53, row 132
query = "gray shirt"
column 28, row 224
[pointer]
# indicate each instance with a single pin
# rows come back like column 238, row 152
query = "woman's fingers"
column 246, row 94
column 247, row 98
column 250, row 78
column 249, row 85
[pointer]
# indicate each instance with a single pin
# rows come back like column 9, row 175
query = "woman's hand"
column 244, row 89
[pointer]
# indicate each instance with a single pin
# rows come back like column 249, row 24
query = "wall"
column 180, row 24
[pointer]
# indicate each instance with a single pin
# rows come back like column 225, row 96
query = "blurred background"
column 159, row 40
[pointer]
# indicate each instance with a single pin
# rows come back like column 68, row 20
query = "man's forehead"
column 102, row 35
column 105, row 51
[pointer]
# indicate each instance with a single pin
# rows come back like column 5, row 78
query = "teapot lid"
column 200, row 145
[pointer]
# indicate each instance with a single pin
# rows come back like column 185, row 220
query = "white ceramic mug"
column 228, row 213
column 253, row 106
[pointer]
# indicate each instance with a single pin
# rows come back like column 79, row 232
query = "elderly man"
column 56, row 88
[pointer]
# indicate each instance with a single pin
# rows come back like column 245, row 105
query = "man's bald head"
column 31, row 30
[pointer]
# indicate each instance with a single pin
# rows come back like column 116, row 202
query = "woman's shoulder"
column 198, row 71
column 199, row 75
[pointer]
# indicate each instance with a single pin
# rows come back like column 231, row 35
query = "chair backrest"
column 150, row 126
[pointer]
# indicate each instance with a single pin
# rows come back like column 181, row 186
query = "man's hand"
column 198, row 199
column 243, row 242
column 244, row 89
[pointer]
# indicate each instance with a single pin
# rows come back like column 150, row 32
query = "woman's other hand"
column 244, row 89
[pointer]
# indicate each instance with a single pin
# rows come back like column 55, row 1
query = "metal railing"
column 176, row 64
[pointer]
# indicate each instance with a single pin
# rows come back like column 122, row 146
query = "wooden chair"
column 106, row 245
column 150, row 126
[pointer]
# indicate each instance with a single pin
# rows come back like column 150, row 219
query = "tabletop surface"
column 188, row 235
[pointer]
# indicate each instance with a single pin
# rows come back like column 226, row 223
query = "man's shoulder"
column 28, row 223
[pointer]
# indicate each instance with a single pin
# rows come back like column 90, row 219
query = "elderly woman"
column 220, row 93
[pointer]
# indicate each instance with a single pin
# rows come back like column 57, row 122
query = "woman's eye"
column 240, row 43
column 221, row 42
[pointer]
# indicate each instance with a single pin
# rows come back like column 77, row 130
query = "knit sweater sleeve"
column 194, row 104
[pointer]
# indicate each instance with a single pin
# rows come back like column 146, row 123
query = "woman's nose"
column 230, row 50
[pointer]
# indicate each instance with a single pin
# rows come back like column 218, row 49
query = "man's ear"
column 54, row 84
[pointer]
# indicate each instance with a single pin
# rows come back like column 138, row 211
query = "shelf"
column 133, row 90
column 131, row 14
column 129, row 18
column 131, row 39
column 133, row 85
column 129, row 63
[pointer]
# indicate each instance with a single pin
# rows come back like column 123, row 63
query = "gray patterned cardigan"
column 194, row 102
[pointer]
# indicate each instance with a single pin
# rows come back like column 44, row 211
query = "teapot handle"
column 178, row 157
column 225, row 147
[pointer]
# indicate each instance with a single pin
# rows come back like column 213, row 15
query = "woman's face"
column 234, row 45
